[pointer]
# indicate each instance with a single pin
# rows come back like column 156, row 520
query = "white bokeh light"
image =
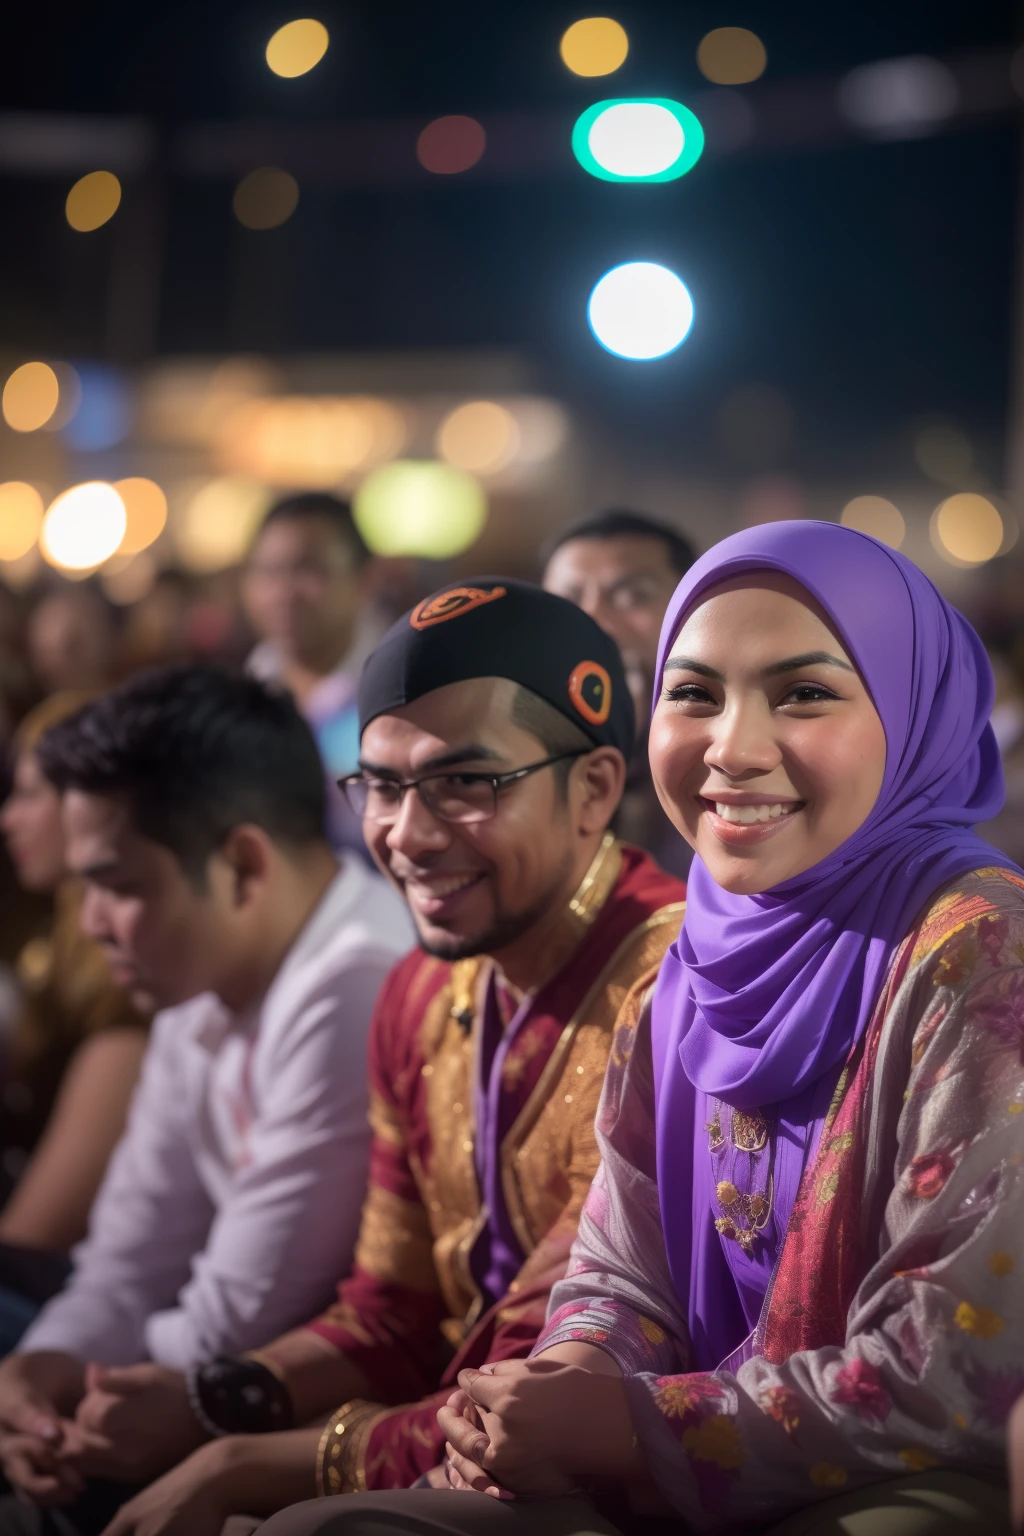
column 83, row 527
column 640, row 310
column 636, row 138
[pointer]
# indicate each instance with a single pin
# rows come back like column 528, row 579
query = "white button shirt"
column 230, row 1207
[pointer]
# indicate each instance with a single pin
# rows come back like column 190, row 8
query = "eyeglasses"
column 462, row 798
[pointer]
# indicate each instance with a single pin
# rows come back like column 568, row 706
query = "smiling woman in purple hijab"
column 796, row 1292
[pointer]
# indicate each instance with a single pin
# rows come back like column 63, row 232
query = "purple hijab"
column 761, row 998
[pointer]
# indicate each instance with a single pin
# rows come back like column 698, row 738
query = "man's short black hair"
column 619, row 523
column 195, row 751
column 331, row 509
column 555, row 731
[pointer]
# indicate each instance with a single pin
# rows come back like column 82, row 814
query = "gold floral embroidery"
column 917, row 1460
column 715, row 1439
column 677, row 1397
column 395, row 1241
column 979, row 1322
column 825, row 1475
column 827, row 1187
column 1001, row 1265
column 651, row 1332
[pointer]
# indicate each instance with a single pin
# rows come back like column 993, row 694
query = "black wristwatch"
column 238, row 1397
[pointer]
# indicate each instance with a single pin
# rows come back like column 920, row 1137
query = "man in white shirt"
column 194, row 810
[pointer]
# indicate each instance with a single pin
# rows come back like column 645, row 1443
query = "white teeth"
column 449, row 887
column 746, row 815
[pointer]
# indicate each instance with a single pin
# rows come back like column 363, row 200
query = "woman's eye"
column 809, row 693
column 689, row 693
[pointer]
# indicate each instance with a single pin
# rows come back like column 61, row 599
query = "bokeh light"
column 597, row 45
column 899, row 98
column 877, row 517
column 731, row 56
column 650, row 139
column 640, row 310
column 21, row 514
column 297, row 47
column 944, row 453
column 145, row 506
column 218, row 522
column 543, row 429
column 417, row 507
column 265, row 198
column 93, row 201
column 83, row 527
column 69, row 397
column 30, row 397
column 449, row 145
column 480, row 436
column 105, row 412
column 966, row 529
column 312, row 442
column 127, row 579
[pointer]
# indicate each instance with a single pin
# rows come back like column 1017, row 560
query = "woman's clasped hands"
column 538, row 1428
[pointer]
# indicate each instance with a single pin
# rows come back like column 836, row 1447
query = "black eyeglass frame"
column 495, row 780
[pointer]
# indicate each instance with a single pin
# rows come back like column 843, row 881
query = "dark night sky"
column 871, row 283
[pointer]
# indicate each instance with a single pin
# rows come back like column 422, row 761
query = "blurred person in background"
column 73, row 640
column 156, row 624
column 622, row 567
column 306, row 592
column 496, row 720
column 73, row 1046
column 193, row 815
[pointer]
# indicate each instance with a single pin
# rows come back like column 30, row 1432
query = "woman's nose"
column 742, row 740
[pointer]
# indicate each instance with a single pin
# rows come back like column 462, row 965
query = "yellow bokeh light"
column 297, row 47
column 597, row 45
column 311, row 442
column 731, row 56
column 21, row 514
column 146, row 508
column 966, row 529
column 93, row 200
column 265, row 198
column 218, row 523
column 877, row 517
column 83, row 527
column 30, row 397
column 417, row 507
column 480, row 436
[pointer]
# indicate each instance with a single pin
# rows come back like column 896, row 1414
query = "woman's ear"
column 599, row 780
column 248, row 853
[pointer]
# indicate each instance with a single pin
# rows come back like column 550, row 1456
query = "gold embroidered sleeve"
column 395, row 1243
column 341, row 1456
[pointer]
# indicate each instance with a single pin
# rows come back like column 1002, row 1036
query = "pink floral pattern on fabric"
column 999, row 1009
column 859, row 1386
column 927, row 1175
column 783, row 1405
column 710, row 1438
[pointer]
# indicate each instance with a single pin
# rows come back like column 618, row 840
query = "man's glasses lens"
column 459, row 798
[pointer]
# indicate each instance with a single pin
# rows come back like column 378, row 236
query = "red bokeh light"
column 449, row 145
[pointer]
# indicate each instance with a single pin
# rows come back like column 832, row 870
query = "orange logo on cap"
column 450, row 604
column 590, row 689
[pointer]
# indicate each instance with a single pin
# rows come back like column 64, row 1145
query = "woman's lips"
column 772, row 816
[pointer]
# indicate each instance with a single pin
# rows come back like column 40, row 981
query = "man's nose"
column 416, row 829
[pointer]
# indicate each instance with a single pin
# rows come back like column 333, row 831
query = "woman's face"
column 766, row 749
column 31, row 822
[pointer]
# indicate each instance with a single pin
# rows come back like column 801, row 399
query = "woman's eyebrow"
column 808, row 659
column 684, row 664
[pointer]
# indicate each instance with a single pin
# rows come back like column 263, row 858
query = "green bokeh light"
column 632, row 142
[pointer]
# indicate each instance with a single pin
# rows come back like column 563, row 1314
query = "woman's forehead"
column 766, row 606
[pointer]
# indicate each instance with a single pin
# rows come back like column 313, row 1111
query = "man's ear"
column 600, row 778
column 248, row 853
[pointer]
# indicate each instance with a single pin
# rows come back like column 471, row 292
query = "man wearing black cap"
column 495, row 724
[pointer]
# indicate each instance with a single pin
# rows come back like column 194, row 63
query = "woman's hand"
column 543, row 1425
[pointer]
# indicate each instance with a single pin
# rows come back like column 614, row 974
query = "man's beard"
column 502, row 932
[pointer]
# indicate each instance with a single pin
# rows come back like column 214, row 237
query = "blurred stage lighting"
column 265, row 198
column 218, row 523
column 597, row 45
column 899, row 98
column 297, row 47
column 480, row 436
column 312, row 442
column 966, row 529
column 731, row 56
column 417, row 507
column 83, row 527
column 93, row 200
column 638, row 139
column 21, row 515
column 30, row 397
column 449, row 145
column 105, row 412
column 640, row 310
column 877, row 517
column 127, row 579
column 145, row 506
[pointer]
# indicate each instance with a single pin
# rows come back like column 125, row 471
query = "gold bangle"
column 339, row 1457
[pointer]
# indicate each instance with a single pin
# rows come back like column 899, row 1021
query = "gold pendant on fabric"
column 745, row 1215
